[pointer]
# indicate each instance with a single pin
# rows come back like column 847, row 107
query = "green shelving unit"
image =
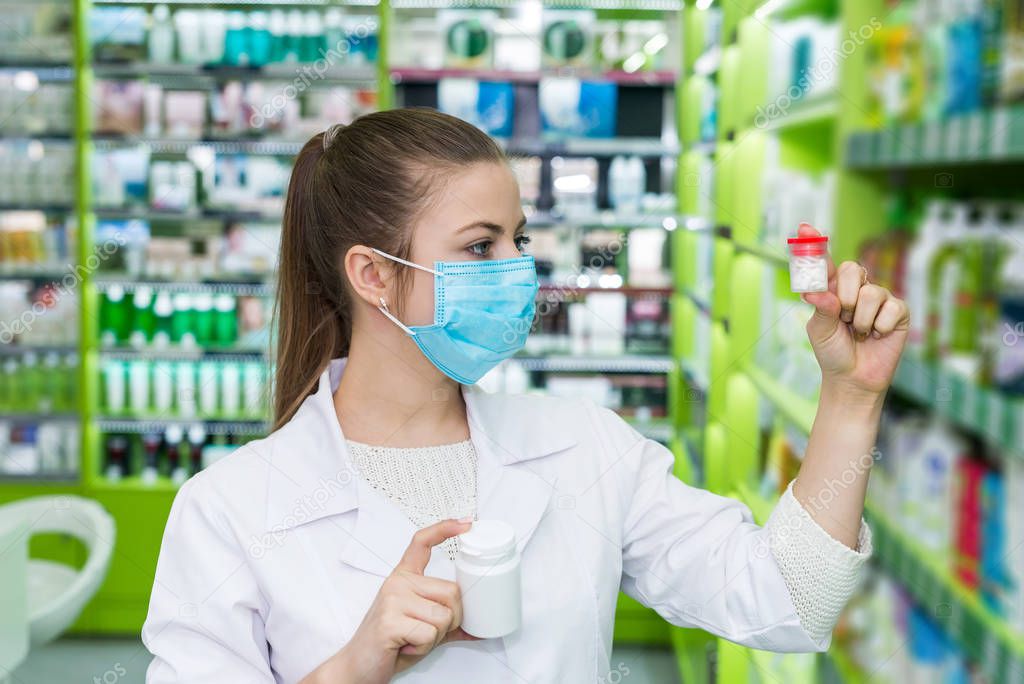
column 813, row 135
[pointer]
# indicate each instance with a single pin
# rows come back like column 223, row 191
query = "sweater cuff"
column 820, row 572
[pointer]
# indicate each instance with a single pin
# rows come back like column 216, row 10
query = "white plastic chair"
column 56, row 592
column 13, row 604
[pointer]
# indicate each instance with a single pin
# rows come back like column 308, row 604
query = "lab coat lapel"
column 381, row 535
column 509, row 487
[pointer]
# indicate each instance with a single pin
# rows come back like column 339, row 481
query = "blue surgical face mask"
column 483, row 311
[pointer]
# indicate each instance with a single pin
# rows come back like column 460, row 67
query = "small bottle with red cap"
column 808, row 263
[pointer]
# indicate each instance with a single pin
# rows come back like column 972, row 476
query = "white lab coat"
column 272, row 556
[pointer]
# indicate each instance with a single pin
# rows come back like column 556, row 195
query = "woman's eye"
column 480, row 248
column 522, row 241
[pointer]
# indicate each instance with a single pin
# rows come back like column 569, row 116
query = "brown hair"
column 364, row 185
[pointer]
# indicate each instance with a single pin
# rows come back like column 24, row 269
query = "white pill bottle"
column 808, row 263
column 487, row 572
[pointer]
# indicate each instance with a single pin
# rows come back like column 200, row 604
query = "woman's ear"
column 368, row 274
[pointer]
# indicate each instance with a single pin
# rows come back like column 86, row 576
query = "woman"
column 323, row 553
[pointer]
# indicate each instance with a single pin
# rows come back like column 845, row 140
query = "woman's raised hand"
column 858, row 330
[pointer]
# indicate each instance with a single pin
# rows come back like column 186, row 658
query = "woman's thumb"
column 825, row 320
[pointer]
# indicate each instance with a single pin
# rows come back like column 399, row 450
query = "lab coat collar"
column 312, row 476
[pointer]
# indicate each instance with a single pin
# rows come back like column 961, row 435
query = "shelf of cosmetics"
column 944, row 523
column 38, row 313
column 962, row 275
column 982, row 136
column 254, row 38
column 945, row 59
column 38, row 381
column 33, row 243
column 640, row 398
column 164, row 456
column 32, row 105
column 132, row 176
column 37, row 173
column 38, row 449
column 229, row 388
column 344, row 37
column 195, row 108
column 963, row 511
column 215, row 107
column 169, row 316
column 36, row 32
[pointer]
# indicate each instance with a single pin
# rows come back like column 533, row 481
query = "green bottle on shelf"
column 202, row 307
column 225, row 326
column 163, row 317
column 143, row 318
column 113, row 316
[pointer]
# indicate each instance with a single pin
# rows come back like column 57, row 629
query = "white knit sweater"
column 430, row 484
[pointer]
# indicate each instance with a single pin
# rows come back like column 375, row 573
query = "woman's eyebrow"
column 493, row 227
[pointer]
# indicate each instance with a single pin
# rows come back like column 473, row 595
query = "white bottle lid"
column 488, row 539
column 161, row 13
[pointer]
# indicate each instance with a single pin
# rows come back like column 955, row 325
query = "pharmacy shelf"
column 41, row 350
column 249, row 4
column 29, row 478
column 237, row 289
column 597, row 364
column 591, row 147
column 50, row 70
column 702, row 303
column 694, row 374
column 212, row 427
column 629, row 291
column 37, row 206
column 228, row 354
column 134, row 483
column 638, row 5
column 788, row 9
column 707, row 64
column 44, row 137
column 270, row 148
column 993, row 415
column 706, row 147
column 658, row 429
column 20, row 416
column 51, row 272
column 804, row 113
column 211, row 213
column 984, row 636
column 792, row 407
column 611, row 219
column 984, row 137
column 421, row 75
column 771, row 256
column 362, row 75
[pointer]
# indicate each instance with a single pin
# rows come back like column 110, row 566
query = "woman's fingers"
column 419, row 636
column 893, row 315
column 870, row 299
column 849, row 278
column 437, row 614
column 440, row 591
column 417, row 555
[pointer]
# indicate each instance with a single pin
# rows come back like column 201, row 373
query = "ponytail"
column 312, row 326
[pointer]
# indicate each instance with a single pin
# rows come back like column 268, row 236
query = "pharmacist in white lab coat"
column 324, row 553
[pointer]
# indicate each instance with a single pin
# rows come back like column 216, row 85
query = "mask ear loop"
column 407, row 263
column 383, row 308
